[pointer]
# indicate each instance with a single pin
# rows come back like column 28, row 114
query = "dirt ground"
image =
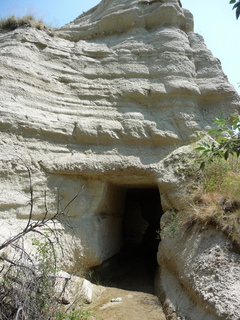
column 135, row 288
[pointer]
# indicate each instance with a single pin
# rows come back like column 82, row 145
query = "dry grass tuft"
column 13, row 22
column 214, row 197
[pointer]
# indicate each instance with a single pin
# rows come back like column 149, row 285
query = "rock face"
column 199, row 275
column 105, row 106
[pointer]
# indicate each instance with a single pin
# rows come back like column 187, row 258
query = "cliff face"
column 199, row 275
column 113, row 17
column 98, row 109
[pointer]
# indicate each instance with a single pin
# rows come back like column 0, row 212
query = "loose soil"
column 135, row 288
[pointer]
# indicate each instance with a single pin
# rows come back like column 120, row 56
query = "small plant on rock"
column 214, row 188
column 226, row 134
column 27, row 286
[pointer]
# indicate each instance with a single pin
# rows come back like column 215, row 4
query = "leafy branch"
column 226, row 135
column 236, row 6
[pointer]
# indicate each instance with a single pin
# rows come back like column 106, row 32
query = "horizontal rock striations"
column 117, row 17
column 98, row 109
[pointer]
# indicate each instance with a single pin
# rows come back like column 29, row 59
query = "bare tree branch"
column 27, row 284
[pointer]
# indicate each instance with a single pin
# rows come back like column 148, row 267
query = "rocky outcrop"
column 107, row 105
column 199, row 275
column 118, row 17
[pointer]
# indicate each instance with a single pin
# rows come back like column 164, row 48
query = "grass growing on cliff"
column 214, row 187
column 13, row 22
column 214, row 196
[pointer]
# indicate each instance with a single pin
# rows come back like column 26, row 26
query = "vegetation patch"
column 170, row 224
column 77, row 315
column 13, row 22
column 214, row 198
column 213, row 187
column 31, row 287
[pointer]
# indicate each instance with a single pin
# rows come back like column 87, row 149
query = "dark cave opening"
column 141, row 225
column 134, row 266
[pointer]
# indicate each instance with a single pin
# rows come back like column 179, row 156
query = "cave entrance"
column 134, row 266
column 141, row 225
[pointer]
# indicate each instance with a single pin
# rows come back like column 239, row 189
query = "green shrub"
column 226, row 140
column 30, row 286
column 27, row 288
column 28, row 282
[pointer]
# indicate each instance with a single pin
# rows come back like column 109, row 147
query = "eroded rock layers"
column 99, row 108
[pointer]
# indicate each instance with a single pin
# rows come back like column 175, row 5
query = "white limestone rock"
column 199, row 275
column 76, row 290
column 99, row 109
column 116, row 17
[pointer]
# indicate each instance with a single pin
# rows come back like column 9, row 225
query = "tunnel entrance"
column 136, row 262
column 141, row 225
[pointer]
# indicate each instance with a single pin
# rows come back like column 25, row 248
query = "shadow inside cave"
column 134, row 266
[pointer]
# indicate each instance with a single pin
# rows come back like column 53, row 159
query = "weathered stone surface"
column 100, row 109
column 199, row 275
column 77, row 290
column 117, row 17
